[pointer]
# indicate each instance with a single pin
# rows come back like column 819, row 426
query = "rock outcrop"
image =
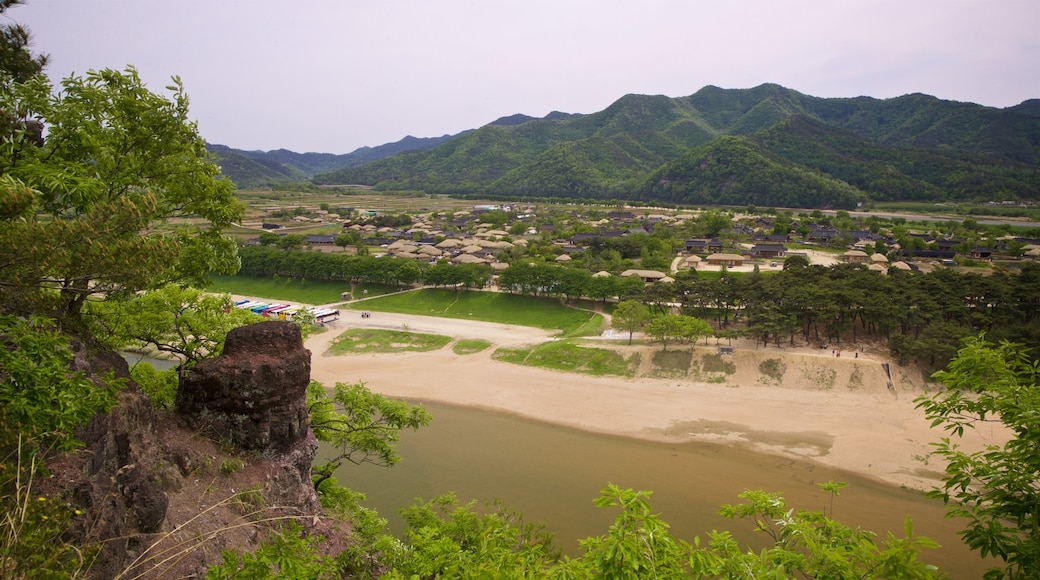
column 111, row 479
column 254, row 395
column 238, row 448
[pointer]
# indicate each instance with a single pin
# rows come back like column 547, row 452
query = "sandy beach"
column 836, row 410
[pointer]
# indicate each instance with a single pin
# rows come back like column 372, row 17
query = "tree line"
column 923, row 316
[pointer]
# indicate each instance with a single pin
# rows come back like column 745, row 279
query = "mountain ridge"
column 840, row 151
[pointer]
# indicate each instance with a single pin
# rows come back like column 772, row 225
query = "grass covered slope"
column 489, row 307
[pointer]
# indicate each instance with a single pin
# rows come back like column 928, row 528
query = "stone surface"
column 254, row 394
column 149, row 487
column 109, row 478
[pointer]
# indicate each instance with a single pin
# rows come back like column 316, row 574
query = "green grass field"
column 470, row 346
column 303, row 291
column 490, row 307
column 368, row 340
column 565, row 356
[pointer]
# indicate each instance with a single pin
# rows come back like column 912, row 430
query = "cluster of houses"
column 445, row 240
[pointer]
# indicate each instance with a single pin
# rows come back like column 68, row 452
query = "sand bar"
column 872, row 429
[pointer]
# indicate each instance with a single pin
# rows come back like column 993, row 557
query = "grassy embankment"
column 302, row 291
column 548, row 314
column 370, row 340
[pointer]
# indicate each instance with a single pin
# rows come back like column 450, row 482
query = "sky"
column 331, row 76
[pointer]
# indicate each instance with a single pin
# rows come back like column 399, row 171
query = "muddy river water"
column 551, row 474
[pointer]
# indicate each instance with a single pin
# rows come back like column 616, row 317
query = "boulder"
column 254, row 395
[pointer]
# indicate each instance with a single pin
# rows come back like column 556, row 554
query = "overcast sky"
column 334, row 75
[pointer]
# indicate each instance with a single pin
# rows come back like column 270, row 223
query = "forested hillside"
column 768, row 145
column 249, row 169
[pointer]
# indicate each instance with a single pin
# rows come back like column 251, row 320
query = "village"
column 737, row 241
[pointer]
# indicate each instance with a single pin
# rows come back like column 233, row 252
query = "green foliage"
column 362, row 426
column 15, row 58
column 159, row 385
column 32, row 528
column 804, row 544
column 994, row 490
column 368, row 532
column 629, row 316
column 119, row 168
column 290, row 554
column 231, row 465
column 677, row 327
column 713, row 222
column 563, row 355
column 449, row 540
column 41, row 400
column 811, row 545
column 638, row 544
column 186, row 322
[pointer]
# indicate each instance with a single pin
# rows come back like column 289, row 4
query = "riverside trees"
column 630, row 316
column 677, row 327
column 997, row 491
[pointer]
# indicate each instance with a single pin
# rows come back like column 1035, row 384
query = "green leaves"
column 995, row 490
column 289, row 554
column 39, row 396
column 185, row 322
column 629, row 316
column 117, row 163
column 361, row 425
column 670, row 327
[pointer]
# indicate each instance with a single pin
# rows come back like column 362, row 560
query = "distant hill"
column 248, row 169
column 768, row 145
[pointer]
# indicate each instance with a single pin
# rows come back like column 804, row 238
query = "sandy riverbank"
column 838, row 411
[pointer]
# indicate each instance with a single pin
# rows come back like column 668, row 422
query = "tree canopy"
column 121, row 195
column 997, row 491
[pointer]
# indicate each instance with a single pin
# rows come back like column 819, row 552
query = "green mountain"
column 251, row 169
column 767, row 145
column 736, row 171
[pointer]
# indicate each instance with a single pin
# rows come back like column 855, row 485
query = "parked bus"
column 323, row 315
column 266, row 312
column 273, row 312
column 289, row 313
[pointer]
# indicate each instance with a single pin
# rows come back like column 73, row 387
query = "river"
column 551, row 474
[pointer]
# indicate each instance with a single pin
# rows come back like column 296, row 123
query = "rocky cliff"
column 163, row 493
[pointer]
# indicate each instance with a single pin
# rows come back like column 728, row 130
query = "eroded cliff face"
column 163, row 493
